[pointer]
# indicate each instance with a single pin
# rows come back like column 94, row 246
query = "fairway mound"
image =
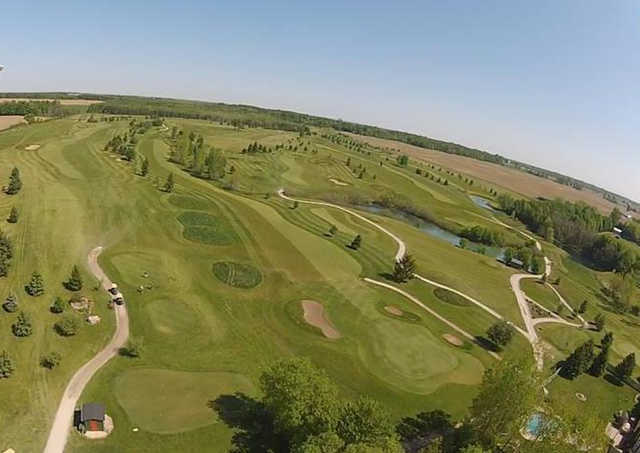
column 166, row 401
column 393, row 310
column 450, row 297
column 205, row 228
column 337, row 182
column 452, row 339
column 32, row 147
column 237, row 275
column 315, row 316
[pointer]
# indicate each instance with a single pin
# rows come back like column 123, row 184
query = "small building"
column 617, row 230
column 515, row 262
column 92, row 416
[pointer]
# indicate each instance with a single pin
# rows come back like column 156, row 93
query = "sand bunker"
column 32, row 147
column 337, row 182
column 314, row 315
column 452, row 339
column 393, row 310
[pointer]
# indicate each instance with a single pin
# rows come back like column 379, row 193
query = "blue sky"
column 556, row 84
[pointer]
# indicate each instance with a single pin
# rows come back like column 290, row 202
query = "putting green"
column 415, row 360
column 166, row 401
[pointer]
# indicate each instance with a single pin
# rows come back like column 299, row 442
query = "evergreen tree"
column 50, row 360
column 75, row 280
column 13, row 215
column 624, row 369
column 15, row 184
column 6, row 365
column 144, row 168
column 169, row 184
column 583, row 307
column 599, row 322
column 599, row 364
column 58, row 306
column 579, row 361
column 35, row 287
column 22, row 326
column 404, row 268
column 10, row 304
column 357, row 241
column 607, row 340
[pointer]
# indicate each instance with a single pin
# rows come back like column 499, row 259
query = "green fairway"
column 214, row 273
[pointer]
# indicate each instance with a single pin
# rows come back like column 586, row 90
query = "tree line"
column 32, row 108
column 198, row 158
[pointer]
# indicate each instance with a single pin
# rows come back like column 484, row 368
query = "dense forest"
column 577, row 228
column 33, row 108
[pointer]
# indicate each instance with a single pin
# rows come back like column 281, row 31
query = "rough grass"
column 166, row 401
column 237, row 275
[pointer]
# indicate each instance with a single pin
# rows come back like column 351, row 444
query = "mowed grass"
column 204, row 338
column 166, row 401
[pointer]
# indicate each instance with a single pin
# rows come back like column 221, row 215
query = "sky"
column 551, row 83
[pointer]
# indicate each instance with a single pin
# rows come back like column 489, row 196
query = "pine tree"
column 15, row 184
column 599, row 322
column 579, row 361
column 356, row 243
column 599, row 364
column 58, row 306
column 13, row 215
column 22, row 326
column 607, row 340
column 583, row 307
column 6, row 365
column 75, row 280
column 404, row 268
column 624, row 369
column 10, row 305
column 35, row 287
column 144, row 169
column 169, row 184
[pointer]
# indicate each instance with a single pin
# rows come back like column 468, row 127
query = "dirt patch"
column 315, row 316
column 62, row 101
column 509, row 178
column 393, row 310
column 32, row 147
column 452, row 339
column 337, row 182
column 10, row 120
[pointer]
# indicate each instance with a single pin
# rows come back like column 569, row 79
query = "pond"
column 483, row 203
column 536, row 425
column 431, row 229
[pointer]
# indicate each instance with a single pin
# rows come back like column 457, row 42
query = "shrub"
column 50, row 360
column 67, row 326
column 58, row 305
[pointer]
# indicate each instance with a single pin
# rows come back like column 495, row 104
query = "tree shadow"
column 611, row 379
column 386, row 276
column 486, row 344
column 252, row 421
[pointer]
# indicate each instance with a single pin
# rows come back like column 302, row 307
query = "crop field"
column 506, row 178
column 216, row 274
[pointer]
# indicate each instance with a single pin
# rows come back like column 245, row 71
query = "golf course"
column 280, row 243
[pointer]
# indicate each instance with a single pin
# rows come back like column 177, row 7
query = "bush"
column 133, row 348
column 67, row 326
column 58, row 305
column 50, row 360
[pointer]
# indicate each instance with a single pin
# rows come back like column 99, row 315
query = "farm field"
column 507, row 178
column 217, row 274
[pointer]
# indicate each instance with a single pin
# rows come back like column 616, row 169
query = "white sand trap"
column 32, row 147
column 393, row 310
column 314, row 315
column 337, row 182
column 452, row 339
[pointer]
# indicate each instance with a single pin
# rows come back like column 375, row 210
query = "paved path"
column 432, row 312
column 64, row 415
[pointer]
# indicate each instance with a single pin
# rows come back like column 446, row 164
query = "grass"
column 204, row 337
column 542, row 294
column 166, row 402
column 237, row 275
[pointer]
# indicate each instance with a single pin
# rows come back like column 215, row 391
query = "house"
column 92, row 416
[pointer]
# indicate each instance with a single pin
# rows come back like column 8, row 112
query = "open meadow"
column 224, row 277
